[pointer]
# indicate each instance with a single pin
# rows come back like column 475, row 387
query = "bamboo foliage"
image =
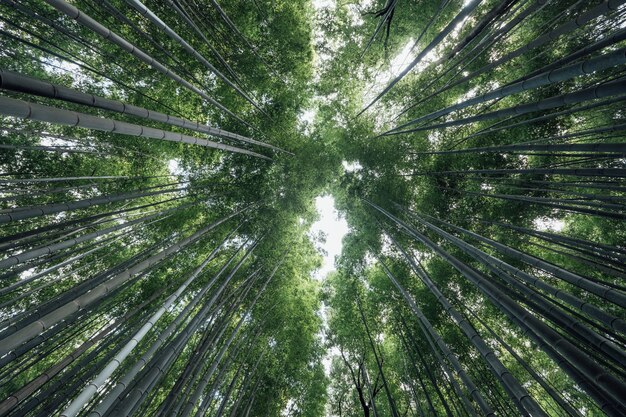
column 482, row 270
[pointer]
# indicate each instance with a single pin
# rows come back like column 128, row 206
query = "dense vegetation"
column 158, row 172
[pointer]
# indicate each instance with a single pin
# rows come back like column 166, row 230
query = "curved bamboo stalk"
column 609, row 89
column 589, row 66
column 39, row 112
column 14, row 81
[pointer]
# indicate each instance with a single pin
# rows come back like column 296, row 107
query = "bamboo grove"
column 158, row 180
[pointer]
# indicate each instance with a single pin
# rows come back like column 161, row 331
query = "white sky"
column 322, row 4
column 306, row 119
column 334, row 227
column 330, row 223
column 545, row 223
column 173, row 167
column 351, row 166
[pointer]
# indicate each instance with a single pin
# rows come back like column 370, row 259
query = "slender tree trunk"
column 138, row 394
column 90, row 390
column 53, row 248
column 147, row 13
column 617, row 148
column 604, row 292
column 516, row 391
column 116, row 393
column 26, row 391
column 581, row 19
column 469, row 384
column 417, row 373
column 595, row 312
column 392, row 404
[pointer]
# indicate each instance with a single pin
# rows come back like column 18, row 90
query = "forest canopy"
column 159, row 168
